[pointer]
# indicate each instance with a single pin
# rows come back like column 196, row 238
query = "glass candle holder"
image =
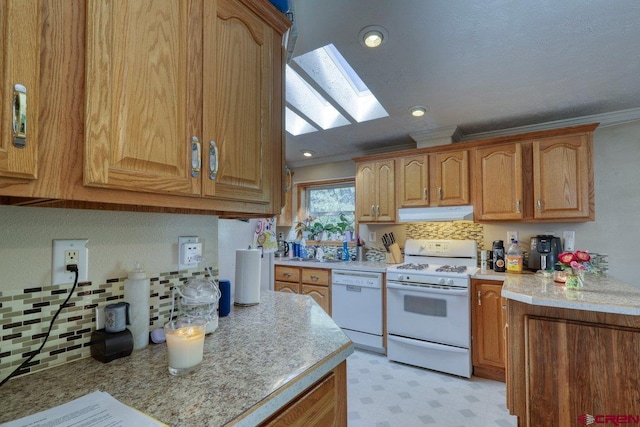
column 185, row 343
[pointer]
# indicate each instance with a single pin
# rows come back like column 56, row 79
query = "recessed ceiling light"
column 418, row 110
column 308, row 153
column 373, row 36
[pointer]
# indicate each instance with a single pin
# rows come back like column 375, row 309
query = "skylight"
column 331, row 74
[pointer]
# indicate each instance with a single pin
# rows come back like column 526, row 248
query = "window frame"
column 301, row 195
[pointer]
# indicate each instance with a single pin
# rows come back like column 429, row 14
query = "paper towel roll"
column 247, row 291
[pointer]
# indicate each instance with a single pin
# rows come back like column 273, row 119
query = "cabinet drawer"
column 287, row 274
column 315, row 276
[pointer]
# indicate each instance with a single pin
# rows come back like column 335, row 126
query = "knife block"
column 394, row 256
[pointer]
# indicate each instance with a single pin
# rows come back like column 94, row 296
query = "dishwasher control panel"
column 367, row 279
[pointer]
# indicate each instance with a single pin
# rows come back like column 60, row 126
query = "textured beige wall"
column 117, row 240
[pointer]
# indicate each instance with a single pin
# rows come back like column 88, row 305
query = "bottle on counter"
column 137, row 294
column 498, row 256
column 514, row 258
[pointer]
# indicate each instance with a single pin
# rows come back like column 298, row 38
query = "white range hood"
column 440, row 213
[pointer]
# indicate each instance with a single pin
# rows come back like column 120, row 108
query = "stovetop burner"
column 412, row 266
column 452, row 269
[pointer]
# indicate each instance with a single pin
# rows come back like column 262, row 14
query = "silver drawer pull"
column 213, row 160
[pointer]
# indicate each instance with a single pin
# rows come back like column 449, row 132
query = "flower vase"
column 575, row 279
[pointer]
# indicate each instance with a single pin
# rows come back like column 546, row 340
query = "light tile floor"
column 381, row 393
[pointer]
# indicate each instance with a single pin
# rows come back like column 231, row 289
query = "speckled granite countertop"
column 340, row 265
column 258, row 359
column 603, row 294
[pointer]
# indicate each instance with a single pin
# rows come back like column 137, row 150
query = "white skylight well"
column 296, row 125
column 330, row 70
column 304, row 98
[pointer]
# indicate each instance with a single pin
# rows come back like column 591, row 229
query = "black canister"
column 498, row 256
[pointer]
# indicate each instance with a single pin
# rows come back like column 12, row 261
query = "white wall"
column 234, row 234
column 117, row 240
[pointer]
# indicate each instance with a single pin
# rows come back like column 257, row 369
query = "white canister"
column 137, row 294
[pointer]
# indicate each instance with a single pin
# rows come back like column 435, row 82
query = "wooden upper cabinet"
column 238, row 71
column 19, row 92
column 186, row 97
column 452, row 178
column 143, row 95
column 499, row 182
column 413, row 180
column 563, row 177
column 375, row 191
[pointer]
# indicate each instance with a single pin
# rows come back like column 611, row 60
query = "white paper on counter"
column 98, row 409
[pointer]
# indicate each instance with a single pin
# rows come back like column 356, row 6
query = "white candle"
column 185, row 343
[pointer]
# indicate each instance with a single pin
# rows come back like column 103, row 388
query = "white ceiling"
column 481, row 65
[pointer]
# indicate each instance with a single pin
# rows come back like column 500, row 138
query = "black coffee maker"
column 543, row 253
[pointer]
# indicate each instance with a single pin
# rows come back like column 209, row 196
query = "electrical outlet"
column 569, row 240
column 188, row 250
column 71, row 256
column 372, row 236
column 67, row 252
column 512, row 235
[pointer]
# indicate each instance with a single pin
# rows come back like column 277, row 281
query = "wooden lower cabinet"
column 315, row 282
column 488, row 347
column 323, row 404
column 565, row 363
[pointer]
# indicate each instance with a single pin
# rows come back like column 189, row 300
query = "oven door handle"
column 429, row 345
column 431, row 289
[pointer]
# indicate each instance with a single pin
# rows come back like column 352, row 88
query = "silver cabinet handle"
column 213, row 160
column 196, row 157
column 289, row 175
column 479, row 297
column 440, row 193
column 425, row 192
column 372, row 211
column 378, row 210
column 19, row 116
column 518, row 207
column 539, row 205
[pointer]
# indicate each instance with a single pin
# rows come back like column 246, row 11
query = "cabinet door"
column 576, row 368
column 563, row 176
column 386, row 191
column 365, row 192
column 499, row 182
column 239, row 56
column 143, row 95
column 19, row 65
column 320, row 294
column 413, row 185
column 489, row 321
column 292, row 288
column 452, row 178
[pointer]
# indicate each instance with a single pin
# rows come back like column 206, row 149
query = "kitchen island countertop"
column 258, row 360
column 599, row 294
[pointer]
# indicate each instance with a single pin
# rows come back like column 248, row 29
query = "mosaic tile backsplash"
column 25, row 315
column 455, row 230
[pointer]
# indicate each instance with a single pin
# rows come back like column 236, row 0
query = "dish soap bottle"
column 514, row 258
column 136, row 293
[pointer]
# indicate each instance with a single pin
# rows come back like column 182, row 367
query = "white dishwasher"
column 356, row 306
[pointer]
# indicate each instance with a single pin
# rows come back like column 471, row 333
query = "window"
column 327, row 206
